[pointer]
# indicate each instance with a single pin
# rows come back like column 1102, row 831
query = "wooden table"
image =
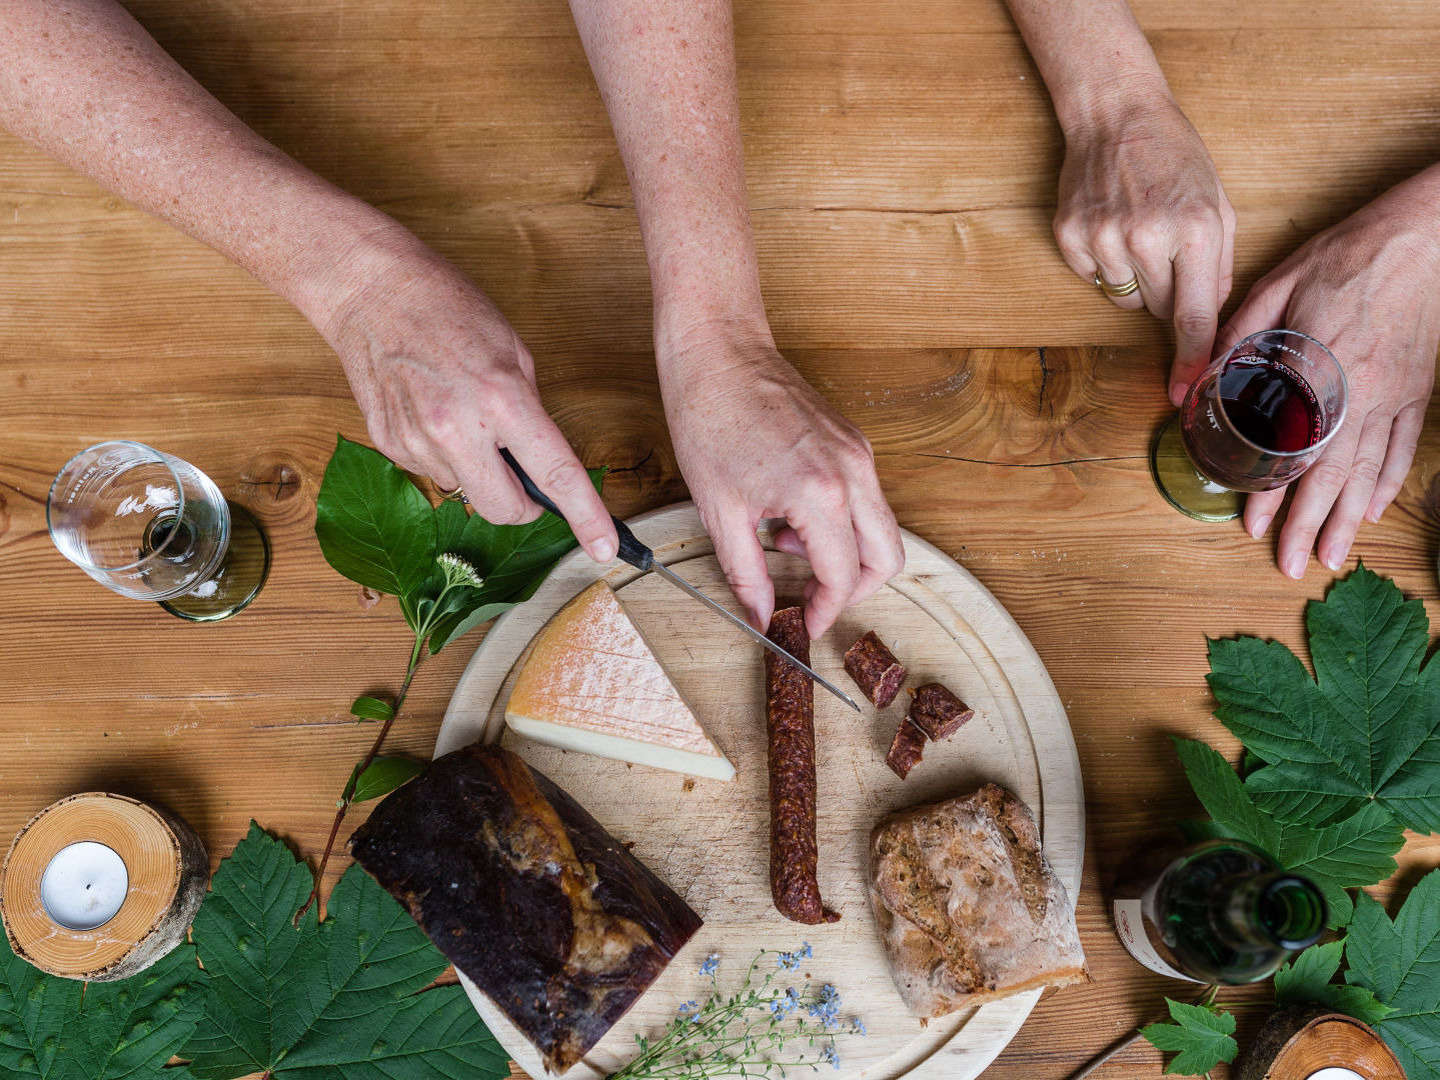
column 902, row 164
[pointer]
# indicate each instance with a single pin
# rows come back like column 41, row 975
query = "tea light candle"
column 1335, row 1072
column 84, row 885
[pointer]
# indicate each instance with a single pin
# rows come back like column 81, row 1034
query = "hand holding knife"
column 635, row 553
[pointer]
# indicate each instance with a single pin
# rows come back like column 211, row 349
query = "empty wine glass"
column 153, row 527
column 1257, row 418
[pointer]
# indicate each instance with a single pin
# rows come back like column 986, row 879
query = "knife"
column 643, row 559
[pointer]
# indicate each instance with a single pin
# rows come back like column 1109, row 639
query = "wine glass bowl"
column 151, row 526
column 1255, row 420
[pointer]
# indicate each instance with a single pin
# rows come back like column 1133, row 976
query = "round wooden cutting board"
column 710, row 840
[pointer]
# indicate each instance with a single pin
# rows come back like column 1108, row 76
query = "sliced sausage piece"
column 937, row 712
column 874, row 669
column 907, row 749
column 790, row 721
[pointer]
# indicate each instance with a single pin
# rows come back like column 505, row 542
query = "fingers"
column 743, row 559
column 491, row 487
column 1197, row 269
column 877, row 539
column 1260, row 510
column 542, row 451
column 1315, row 494
column 824, row 528
column 1263, row 309
column 1344, row 520
column 1404, row 435
column 1116, row 267
column 1227, row 254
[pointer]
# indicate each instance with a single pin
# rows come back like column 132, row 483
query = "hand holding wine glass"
column 1370, row 289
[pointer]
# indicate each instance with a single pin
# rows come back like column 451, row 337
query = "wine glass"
column 153, row 527
column 1256, row 419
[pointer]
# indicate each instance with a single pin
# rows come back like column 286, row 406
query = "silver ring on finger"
column 1115, row 291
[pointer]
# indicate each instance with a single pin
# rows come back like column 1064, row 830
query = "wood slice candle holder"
column 1298, row 1043
column 166, row 871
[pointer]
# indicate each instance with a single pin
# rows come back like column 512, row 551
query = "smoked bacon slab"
column 526, row 894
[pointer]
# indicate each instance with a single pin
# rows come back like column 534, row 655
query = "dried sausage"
column 874, row 669
column 937, row 712
column 790, row 722
column 906, row 750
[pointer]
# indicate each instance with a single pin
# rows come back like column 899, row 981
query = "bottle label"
column 1130, row 926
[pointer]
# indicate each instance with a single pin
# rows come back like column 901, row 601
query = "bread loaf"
column 967, row 906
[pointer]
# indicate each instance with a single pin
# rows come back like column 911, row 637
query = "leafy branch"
column 451, row 570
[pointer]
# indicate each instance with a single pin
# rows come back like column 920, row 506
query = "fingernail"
column 605, row 550
column 1335, row 558
column 1295, row 565
column 1257, row 530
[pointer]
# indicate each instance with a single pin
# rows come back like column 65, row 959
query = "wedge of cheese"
column 591, row 683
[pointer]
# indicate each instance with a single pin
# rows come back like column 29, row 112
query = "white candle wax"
column 1335, row 1072
column 84, row 885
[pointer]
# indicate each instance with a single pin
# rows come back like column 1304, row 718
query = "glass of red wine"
column 1254, row 421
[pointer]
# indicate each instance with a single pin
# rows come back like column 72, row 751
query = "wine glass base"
column 242, row 574
column 1185, row 487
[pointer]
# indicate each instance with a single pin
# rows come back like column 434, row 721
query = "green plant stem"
column 416, row 656
column 347, row 796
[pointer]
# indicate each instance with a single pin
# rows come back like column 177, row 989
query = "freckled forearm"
column 83, row 81
column 1092, row 54
column 666, row 70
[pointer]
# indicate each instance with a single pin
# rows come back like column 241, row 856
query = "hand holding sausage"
column 754, row 440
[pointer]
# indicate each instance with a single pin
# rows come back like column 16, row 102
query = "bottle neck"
column 1276, row 909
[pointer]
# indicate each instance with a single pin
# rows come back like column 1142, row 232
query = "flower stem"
column 416, row 655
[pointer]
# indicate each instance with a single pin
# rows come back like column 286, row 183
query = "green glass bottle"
column 1220, row 912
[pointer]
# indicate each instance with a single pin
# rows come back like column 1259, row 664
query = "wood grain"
column 902, row 165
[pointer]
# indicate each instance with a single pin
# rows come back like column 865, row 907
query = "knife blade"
column 643, row 559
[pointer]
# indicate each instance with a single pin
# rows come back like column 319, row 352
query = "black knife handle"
column 632, row 550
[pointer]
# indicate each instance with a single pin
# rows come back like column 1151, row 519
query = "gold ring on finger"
column 455, row 494
column 1113, row 291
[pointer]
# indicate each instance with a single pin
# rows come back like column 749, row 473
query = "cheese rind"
column 591, row 683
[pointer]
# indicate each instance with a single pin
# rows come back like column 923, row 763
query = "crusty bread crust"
column 967, row 907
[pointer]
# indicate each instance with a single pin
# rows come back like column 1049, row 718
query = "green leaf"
column 342, row 998
column 1359, row 850
column 382, row 776
column 450, row 519
column 372, row 708
column 1365, row 729
column 1399, row 962
column 514, row 560
column 450, row 628
column 373, row 524
column 1200, row 1037
column 1307, row 980
column 1307, row 975
column 61, row 1029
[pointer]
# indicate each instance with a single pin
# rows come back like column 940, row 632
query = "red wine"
column 1270, row 405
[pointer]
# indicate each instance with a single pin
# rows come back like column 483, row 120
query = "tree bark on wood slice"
column 167, row 869
column 1298, row 1042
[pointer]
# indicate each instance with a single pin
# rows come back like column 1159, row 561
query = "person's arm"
column 1369, row 288
column 440, row 375
column 753, row 439
column 1139, row 196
